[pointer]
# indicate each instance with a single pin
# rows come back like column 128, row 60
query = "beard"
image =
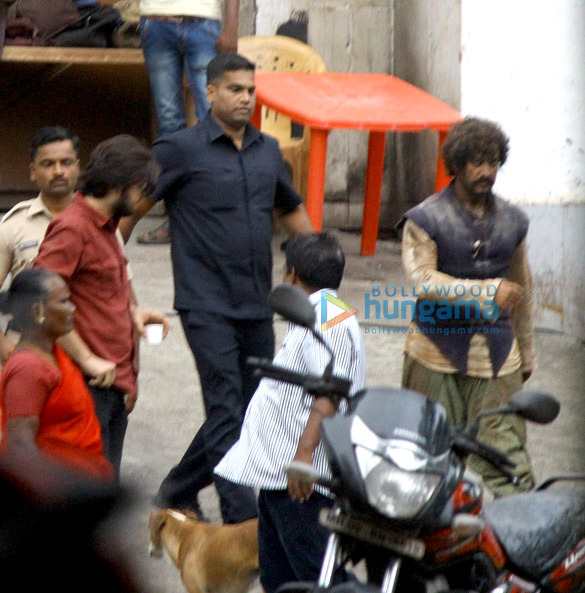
column 474, row 189
column 122, row 207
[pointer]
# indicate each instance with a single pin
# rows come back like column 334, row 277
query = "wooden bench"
column 95, row 92
column 73, row 55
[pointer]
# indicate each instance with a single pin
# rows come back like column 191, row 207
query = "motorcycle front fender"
column 352, row 586
column 298, row 587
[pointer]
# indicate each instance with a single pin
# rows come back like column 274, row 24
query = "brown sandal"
column 158, row 236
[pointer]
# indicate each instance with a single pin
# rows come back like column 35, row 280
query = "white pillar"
column 523, row 65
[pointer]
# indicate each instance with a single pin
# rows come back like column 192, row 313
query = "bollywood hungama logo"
column 334, row 311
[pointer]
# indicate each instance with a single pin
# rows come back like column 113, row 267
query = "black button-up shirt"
column 220, row 202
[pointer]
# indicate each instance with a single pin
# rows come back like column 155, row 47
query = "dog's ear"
column 191, row 515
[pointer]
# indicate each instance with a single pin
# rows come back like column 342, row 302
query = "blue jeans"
column 171, row 50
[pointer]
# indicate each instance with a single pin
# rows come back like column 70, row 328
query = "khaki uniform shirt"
column 419, row 258
column 21, row 232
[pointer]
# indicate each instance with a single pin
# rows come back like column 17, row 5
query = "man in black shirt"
column 222, row 180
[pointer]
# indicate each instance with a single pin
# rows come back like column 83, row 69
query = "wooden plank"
column 72, row 55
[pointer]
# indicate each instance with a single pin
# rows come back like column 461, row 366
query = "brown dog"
column 211, row 558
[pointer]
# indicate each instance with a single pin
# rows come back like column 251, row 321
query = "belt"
column 175, row 19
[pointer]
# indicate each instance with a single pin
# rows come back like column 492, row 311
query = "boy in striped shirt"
column 283, row 424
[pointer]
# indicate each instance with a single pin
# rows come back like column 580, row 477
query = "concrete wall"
column 427, row 51
column 247, row 18
column 531, row 79
column 350, row 36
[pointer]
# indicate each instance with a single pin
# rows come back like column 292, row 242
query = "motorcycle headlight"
column 396, row 493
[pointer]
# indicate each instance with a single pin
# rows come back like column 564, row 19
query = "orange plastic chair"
column 277, row 53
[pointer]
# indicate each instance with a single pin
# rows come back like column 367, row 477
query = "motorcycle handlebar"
column 491, row 454
column 265, row 368
column 332, row 387
column 465, row 445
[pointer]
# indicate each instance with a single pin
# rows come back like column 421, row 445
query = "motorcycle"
column 403, row 503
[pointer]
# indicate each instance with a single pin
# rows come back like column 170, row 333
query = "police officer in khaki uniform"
column 54, row 168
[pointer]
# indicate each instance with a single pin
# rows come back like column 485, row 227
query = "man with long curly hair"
column 470, row 346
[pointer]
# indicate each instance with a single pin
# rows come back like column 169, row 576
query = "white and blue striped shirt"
column 278, row 412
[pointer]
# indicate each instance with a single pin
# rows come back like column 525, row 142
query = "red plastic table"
column 375, row 102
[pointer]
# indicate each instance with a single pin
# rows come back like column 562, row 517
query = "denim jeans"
column 171, row 50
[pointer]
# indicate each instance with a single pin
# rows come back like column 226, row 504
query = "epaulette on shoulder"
column 17, row 208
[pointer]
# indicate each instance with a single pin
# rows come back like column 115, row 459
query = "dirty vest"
column 475, row 249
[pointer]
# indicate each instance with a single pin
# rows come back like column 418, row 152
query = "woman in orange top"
column 45, row 406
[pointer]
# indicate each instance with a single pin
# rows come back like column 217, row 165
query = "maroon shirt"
column 81, row 246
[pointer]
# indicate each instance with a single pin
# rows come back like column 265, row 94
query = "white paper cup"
column 154, row 333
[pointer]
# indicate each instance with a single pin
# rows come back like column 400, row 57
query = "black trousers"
column 111, row 412
column 220, row 346
column 291, row 543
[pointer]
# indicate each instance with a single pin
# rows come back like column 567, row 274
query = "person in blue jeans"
column 180, row 37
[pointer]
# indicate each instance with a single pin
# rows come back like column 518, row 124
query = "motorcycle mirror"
column 304, row 472
column 535, row 406
column 292, row 303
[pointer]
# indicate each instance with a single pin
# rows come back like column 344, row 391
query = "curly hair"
column 474, row 139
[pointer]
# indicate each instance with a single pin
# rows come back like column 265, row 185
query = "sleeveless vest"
column 475, row 249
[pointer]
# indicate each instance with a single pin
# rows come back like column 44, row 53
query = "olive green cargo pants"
column 463, row 397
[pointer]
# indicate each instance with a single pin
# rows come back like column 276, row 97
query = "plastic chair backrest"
column 277, row 53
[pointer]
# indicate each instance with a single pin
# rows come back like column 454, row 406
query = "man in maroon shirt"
column 81, row 246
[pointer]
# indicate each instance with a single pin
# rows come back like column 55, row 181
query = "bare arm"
column 140, row 318
column 127, row 224
column 21, row 432
column 101, row 371
column 228, row 39
column 322, row 408
column 296, row 222
column 6, row 347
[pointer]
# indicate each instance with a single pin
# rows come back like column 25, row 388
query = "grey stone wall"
column 427, row 54
column 247, row 20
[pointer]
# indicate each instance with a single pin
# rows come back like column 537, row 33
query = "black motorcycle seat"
column 538, row 529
